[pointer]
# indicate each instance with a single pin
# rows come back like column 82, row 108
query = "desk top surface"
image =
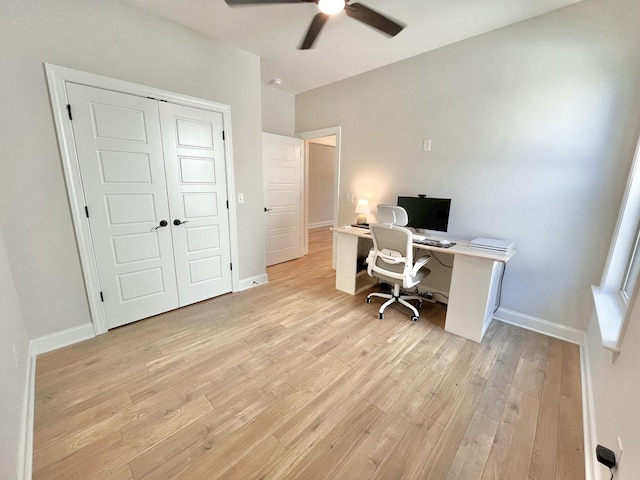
column 461, row 247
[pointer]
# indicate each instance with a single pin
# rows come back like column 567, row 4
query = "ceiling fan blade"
column 373, row 19
column 233, row 3
column 314, row 29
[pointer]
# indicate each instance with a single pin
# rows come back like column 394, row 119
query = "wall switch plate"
column 241, row 198
column 426, row 145
column 619, row 453
column 350, row 196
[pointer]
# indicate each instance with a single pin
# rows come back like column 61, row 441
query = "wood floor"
column 295, row 380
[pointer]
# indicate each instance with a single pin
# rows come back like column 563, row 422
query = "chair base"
column 396, row 297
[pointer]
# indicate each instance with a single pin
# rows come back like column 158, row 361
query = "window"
column 615, row 295
column 631, row 274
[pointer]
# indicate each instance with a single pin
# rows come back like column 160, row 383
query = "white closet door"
column 196, row 184
column 119, row 147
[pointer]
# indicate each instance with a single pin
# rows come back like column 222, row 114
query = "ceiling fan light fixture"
column 331, row 6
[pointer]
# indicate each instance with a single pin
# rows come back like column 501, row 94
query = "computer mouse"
column 444, row 242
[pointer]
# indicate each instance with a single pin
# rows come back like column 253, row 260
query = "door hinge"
column 227, row 204
column 86, row 211
column 222, row 134
column 101, row 297
column 69, row 111
column 230, row 266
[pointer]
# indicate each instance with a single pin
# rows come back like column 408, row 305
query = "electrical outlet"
column 426, row 145
column 16, row 356
column 350, row 197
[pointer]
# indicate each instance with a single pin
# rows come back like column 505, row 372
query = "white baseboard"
column 61, row 339
column 247, row 283
column 328, row 223
column 571, row 335
column 25, row 446
column 588, row 412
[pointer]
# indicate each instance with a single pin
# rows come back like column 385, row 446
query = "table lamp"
column 362, row 208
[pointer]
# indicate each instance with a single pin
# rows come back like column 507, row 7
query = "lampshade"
column 362, row 208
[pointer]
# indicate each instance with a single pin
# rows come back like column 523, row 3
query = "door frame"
column 57, row 76
column 306, row 136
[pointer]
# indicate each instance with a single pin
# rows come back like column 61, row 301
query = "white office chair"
column 391, row 259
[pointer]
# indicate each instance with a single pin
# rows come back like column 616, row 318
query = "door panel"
column 196, row 182
column 282, row 159
column 119, row 147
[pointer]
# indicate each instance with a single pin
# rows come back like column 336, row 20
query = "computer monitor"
column 427, row 213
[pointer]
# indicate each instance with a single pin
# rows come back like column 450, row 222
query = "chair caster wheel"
column 414, row 319
column 368, row 300
column 380, row 316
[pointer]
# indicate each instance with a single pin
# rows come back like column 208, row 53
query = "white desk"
column 474, row 279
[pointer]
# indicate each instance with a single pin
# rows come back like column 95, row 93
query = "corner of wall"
column 25, row 445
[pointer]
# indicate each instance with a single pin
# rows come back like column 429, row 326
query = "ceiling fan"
column 329, row 7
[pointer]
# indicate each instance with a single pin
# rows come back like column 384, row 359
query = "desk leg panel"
column 346, row 263
column 474, row 284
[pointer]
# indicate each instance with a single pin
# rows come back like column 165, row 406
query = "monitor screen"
column 426, row 213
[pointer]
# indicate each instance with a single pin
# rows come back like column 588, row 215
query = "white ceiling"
column 345, row 47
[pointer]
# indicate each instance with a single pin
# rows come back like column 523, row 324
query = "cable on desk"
column 416, row 291
column 440, row 261
column 504, row 269
column 432, row 254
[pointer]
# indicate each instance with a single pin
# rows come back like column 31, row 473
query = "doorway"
column 314, row 141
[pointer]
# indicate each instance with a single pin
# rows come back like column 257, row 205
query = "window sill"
column 610, row 314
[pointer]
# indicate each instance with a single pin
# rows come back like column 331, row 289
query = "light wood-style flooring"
column 296, row 380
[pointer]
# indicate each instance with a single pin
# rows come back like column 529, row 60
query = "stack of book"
column 492, row 244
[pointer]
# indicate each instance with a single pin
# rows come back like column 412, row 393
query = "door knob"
column 267, row 209
column 163, row 223
column 177, row 222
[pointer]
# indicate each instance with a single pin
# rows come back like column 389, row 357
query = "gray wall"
column 119, row 41
column 321, row 178
column 533, row 128
column 12, row 376
column 278, row 112
column 616, row 395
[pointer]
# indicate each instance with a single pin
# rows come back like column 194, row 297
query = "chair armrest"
column 420, row 262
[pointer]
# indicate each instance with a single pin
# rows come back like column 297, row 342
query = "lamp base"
column 362, row 219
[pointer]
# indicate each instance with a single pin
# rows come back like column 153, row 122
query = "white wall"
column 119, row 41
column 533, row 128
column 321, row 179
column 278, row 112
column 12, row 376
column 616, row 395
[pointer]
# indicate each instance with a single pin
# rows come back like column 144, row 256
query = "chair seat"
column 422, row 273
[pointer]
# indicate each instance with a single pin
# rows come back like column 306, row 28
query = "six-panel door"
column 146, row 264
column 282, row 163
column 196, row 184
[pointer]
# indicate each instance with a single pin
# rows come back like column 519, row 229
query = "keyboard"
column 424, row 241
column 434, row 243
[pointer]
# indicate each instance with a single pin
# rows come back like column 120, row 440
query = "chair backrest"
column 392, row 214
column 392, row 252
